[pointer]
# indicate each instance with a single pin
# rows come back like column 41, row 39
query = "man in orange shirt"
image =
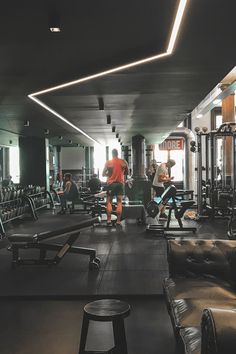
column 115, row 171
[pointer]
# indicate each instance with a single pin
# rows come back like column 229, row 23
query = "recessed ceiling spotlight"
column 200, row 115
column 108, row 119
column 54, row 22
column 46, row 131
column 113, row 129
column 60, row 137
column 70, row 141
column 26, row 123
column 100, row 104
column 55, row 29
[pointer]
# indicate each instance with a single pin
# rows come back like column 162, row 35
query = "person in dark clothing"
column 8, row 182
column 70, row 192
column 94, row 184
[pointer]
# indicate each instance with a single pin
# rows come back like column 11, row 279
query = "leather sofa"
column 200, row 295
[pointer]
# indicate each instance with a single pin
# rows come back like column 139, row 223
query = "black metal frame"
column 211, row 208
column 178, row 212
column 19, row 241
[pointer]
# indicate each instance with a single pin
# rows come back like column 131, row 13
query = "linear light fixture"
column 169, row 51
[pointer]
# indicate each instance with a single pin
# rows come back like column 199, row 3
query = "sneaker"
column 109, row 223
column 163, row 216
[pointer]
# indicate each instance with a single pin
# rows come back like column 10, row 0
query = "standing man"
column 70, row 192
column 115, row 170
column 161, row 177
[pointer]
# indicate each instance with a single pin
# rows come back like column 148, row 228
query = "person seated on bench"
column 161, row 177
column 115, row 171
column 94, row 184
column 70, row 192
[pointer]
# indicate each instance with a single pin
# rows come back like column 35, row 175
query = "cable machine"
column 215, row 185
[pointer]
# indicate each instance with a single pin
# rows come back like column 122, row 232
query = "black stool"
column 104, row 311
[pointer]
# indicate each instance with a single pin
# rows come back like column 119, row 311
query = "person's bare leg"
column 119, row 209
column 109, row 208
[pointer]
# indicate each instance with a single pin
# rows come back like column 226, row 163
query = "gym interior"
column 156, row 81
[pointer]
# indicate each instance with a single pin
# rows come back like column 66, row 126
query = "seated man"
column 70, row 192
column 7, row 182
column 94, row 184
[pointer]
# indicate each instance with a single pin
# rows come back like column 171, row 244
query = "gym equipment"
column 17, row 203
column 36, row 241
column 178, row 206
column 213, row 184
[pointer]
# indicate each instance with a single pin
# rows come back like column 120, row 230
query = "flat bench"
column 36, row 241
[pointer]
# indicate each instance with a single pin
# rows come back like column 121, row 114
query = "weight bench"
column 179, row 209
column 36, row 241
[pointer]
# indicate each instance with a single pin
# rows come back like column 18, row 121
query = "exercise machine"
column 215, row 186
column 40, row 241
column 171, row 197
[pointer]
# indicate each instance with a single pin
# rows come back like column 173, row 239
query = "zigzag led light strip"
column 169, row 51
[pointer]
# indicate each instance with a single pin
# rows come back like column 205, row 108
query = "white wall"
column 72, row 158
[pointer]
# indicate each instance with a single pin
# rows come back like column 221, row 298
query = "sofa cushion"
column 191, row 338
column 197, row 288
column 194, row 258
column 188, row 312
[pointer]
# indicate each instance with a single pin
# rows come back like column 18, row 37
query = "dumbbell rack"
column 17, row 204
column 41, row 200
column 13, row 209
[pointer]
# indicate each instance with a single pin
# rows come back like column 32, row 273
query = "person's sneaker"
column 163, row 216
column 109, row 223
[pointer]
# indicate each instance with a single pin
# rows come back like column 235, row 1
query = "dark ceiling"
column 149, row 99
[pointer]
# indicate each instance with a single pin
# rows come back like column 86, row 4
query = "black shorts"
column 115, row 189
column 158, row 190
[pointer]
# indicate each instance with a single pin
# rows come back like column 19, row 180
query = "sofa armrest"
column 218, row 331
column 196, row 258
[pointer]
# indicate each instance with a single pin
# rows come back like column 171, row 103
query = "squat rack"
column 216, row 180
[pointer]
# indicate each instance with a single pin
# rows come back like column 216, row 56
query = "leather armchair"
column 202, row 276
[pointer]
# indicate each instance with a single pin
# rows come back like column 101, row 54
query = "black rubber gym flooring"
column 41, row 307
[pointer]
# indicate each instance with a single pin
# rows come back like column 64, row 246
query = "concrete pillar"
column 139, row 157
column 141, row 188
column 107, row 152
column 91, row 160
column 57, row 163
column 34, row 161
column 149, row 155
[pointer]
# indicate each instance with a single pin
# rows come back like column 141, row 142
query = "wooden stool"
column 107, row 310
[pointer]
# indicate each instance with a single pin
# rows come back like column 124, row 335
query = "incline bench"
column 36, row 241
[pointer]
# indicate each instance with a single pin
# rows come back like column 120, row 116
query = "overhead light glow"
column 200, row 115
column 55, row 29
column 169, row 51
column 176, row 27
column 62, row 118
column 216, row 101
